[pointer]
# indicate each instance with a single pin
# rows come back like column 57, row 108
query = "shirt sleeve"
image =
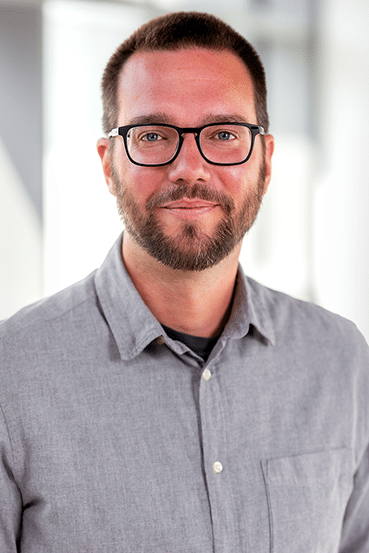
column 10, row 497
column 355, row 529
column 355, row 532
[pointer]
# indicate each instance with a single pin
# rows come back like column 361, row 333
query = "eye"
column 221, row 133
column 224, row 135
column 151, row 137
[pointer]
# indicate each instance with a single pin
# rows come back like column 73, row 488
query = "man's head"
column 187, row 214
column 176, row 31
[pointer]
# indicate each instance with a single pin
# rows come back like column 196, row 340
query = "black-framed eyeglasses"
column 155, row 145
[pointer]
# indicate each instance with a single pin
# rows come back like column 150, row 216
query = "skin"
column 188, row 87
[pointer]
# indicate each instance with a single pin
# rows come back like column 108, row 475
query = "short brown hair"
column 173, row 32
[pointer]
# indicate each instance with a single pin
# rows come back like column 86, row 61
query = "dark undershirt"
column 200, row 346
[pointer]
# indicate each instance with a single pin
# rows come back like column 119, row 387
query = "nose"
column 189, row 166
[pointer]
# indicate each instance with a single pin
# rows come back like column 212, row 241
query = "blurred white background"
column 57, row 219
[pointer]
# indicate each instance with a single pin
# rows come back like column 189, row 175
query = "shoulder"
column 301, row 323
column 43, row 317
column 47, row 343
column 316, row 351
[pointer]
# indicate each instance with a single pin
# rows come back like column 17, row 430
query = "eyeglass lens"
column 220, row 143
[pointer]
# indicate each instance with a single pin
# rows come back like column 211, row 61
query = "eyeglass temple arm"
column 113, row 132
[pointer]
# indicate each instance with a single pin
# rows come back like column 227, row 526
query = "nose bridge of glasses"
column 189, row 130
column 195, row 132
column 187, row 150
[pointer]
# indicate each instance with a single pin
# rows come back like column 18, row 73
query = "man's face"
column 188, row 215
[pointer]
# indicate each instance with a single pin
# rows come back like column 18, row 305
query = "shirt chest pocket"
column 307, row 497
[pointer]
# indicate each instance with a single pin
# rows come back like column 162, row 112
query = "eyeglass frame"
column 123, row 132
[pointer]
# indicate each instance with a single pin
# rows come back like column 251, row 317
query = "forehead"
column 197, row 80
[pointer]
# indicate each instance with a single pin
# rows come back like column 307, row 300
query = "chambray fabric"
column 109, row 431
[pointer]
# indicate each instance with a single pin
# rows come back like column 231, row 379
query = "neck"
column 193, row 302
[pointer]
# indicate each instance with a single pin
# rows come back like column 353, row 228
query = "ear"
column 103, row 149
column 269, row 149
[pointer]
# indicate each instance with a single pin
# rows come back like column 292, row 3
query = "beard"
column 192, row 249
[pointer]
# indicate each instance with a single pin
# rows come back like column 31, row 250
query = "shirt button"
column 206, row 374
column 218, row 467
column 160, row 340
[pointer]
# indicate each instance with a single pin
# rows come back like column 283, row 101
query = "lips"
column 189, row 204
column 189, row 209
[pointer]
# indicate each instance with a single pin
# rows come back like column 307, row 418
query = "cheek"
column 143, row 181
column 245, row 176
column 237, row 179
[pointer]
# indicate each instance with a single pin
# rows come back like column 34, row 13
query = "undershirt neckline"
column 199, row 345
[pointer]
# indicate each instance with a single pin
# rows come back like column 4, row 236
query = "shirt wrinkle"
column 8, row 433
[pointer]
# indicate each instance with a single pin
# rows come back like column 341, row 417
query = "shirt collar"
column 134, row 326
column 249, row 311
column 130, row 320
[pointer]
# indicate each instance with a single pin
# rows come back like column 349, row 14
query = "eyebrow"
column 227, row 118
column 161, row 117
column 148, row 119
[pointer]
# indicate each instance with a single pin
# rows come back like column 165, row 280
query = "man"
column 167, row 403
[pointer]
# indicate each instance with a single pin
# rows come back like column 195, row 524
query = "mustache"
column 199, row 191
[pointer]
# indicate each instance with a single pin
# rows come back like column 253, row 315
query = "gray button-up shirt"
column 116, row 439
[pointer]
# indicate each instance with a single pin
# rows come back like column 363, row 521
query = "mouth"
column 186, row 203
column 189, row 208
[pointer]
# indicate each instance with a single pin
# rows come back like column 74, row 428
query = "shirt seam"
column 10, row 439
column 228, row 443
column 46, row 319
column 264, row 470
